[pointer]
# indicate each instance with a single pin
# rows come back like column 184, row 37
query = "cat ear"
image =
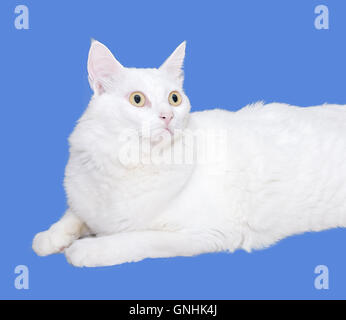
column 174, row 64
column 102, row 67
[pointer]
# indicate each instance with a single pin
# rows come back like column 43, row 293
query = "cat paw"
column 90, row 253
column 49, row 242
column 81, row 254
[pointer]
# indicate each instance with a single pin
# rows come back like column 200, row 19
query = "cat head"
column 131, row 98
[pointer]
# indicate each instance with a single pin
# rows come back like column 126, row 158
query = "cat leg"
column 59, row 236
column 135, row 246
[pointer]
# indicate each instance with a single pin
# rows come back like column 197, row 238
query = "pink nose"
column 166, row 117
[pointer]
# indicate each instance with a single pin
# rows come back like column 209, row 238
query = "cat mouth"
column 168, row 130
column 163, row 129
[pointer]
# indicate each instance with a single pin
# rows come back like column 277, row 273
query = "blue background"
column 237, row 52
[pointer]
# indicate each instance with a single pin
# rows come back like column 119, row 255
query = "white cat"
column 283, row 172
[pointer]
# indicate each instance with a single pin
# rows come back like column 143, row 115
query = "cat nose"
column 166, row 117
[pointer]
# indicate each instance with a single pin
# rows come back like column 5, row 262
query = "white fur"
column 285, row 174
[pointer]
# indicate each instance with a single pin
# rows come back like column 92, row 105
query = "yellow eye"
column 174, row 98
column 137, row 99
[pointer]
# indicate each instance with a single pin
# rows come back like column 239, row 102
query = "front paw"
column 51, row 241
column 82, row 254
column 93, row 252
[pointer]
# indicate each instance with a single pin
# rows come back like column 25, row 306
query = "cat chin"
column 161, row 133
column 164, row 137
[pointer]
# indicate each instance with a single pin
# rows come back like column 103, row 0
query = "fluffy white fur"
column 285, row 174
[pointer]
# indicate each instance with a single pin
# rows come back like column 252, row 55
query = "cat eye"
column 174, row 98
column 137, row 99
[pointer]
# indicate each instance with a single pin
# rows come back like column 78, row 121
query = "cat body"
column 279, row 170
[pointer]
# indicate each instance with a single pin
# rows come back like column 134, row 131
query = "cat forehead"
column 150, row 78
